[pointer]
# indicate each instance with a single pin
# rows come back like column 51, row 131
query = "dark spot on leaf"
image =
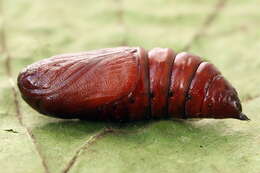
column 11, row 130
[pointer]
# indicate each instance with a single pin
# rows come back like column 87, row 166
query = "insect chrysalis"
column 128, row 84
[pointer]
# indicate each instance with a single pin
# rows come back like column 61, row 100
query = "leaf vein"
column 91, row 140
column 206, row 24
column 8, row 70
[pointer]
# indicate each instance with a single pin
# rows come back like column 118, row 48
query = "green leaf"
column 225, row 32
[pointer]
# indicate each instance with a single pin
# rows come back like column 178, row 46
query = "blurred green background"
column 225, row 32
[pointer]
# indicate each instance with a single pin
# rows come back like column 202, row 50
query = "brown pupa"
column 128, row 84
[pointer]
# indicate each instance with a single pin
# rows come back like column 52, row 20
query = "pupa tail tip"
column 243, row 117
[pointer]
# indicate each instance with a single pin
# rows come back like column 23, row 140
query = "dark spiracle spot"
column 170, row 94
column 114, row 106
column 131, row 100
column 210, row 105
column 151, row 95
column 188, row 97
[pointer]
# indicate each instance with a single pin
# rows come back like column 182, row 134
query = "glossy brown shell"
column 128, row 84
column 160, row 63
